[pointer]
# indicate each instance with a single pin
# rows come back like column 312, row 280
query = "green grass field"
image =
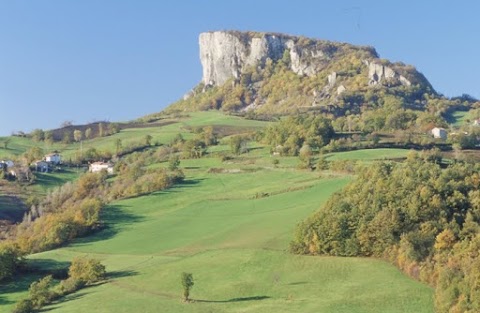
column 235, row 244
column 368, row 154
column 163, row 134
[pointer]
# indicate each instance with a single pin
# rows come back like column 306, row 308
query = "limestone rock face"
column 332, row 79
column 378, row 72
column 222, row 55
column 226, row 54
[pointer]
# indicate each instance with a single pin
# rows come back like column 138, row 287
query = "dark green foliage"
column 37, row 135
column 9, row 260
column 322, row 163
column 187, row 284
column 194, row 148
column 40, row 292
column 83, row 271
column 306, row 158
column 148, row 140
column 23, row 306
column 173, row 163
column 238, row 144
column 422, row 218
column 70, row 285
column 291, row 133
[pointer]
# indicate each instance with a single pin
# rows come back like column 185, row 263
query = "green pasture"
column 229, row 224
column 368, row 154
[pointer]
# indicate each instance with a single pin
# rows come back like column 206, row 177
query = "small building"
column 278, row 150
column 100, row 166
column 440, row 133
column 41, row 166
column 6, row 163
column 54, row 158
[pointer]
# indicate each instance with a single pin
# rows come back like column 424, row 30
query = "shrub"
column 69, row 286
column 86, row 271
column 40, row 293
column 23, row 306
column 9, row 261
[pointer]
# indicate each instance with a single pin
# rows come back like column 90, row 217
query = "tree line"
column 422, row 218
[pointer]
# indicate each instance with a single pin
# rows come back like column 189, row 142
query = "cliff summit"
column 272, row 71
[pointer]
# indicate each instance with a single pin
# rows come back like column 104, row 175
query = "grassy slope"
column 19, row 145
column 234, row 245
column 368, row 154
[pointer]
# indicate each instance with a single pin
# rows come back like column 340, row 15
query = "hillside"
column 229, row 223
column 282, row 129
column 260, row 75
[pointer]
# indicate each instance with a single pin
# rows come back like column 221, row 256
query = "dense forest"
column 415, row 214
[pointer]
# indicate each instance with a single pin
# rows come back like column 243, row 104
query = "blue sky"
column 81, row 61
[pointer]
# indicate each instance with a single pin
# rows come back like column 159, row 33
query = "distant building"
column 41, row 166
column 99, row 166
column 6, row 163
column 440, row 133
column 54, row 158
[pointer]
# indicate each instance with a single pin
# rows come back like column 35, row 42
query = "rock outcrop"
column 225, row 54
column 271, row 72
column 378, row 72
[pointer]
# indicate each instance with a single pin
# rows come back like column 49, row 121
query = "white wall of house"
column 99, row 166
column 53, row 158
column 439, row 133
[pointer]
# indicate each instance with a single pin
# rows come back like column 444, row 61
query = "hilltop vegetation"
column 346, row 83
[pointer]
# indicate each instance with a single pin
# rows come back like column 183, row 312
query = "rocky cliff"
column 225, row 54
column 258, row 63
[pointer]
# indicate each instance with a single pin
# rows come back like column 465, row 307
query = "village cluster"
column 51, row 162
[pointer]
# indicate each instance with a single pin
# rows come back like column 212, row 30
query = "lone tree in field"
column 187, row 283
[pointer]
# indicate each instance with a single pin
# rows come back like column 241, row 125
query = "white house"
column 438, row 132
column 99, row 166
column 54, row 158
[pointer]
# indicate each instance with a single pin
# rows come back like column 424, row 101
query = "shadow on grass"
column 71, row 297
column 299, row 283
column 16, row 285
column 254, row 298
column 48, row 180
column 188, row 183
column 115, row 219
column 44, row 267
column 55, row 305
column 34, row 270
column 120, row 274
column 4, row 301
column 12, row 208
column 179, row 187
